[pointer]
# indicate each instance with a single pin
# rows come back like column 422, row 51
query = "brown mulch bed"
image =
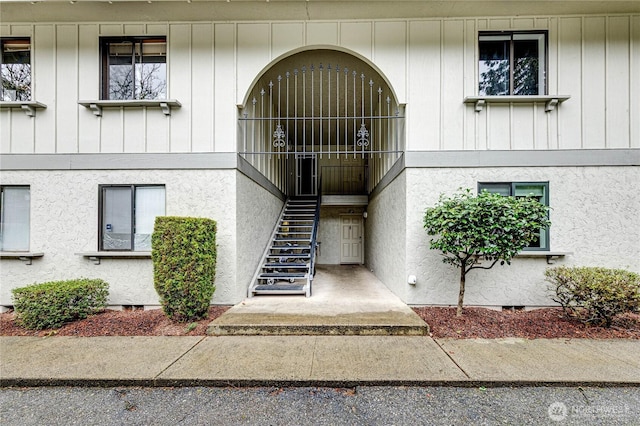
column 117, row 323
column 544, row 323
column 475, row 323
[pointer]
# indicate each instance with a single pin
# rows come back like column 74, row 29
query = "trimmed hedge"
column 183, row 250
column 51, row 304
column 594, row 295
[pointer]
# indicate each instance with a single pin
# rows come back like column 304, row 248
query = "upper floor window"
column 15, row 67
column 127, row 216
column 134, row 68
column 14, row 213
column 512, row 63
column 537, row 190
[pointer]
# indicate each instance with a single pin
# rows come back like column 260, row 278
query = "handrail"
column 314, row 233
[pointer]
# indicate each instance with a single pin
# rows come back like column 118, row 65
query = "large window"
column 14, row 213
column 127, row 216
column 512, row 63
column 15, row 67
column 537, row 190
column 134, row 68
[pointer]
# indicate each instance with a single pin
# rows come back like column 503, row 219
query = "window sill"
column 25, row 256
column 164, row 104
column 550, row 255
column 95, row 256
column 29, row 107
column 550, row 100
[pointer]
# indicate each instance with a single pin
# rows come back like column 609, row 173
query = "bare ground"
column 475, row 323
column 117, row 323
column 544, row 323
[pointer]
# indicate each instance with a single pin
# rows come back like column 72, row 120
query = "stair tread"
column 292, row 255
column 285, row 265
column 275, row 288
column 283, row 275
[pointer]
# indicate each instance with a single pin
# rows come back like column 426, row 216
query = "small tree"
column 487, row 227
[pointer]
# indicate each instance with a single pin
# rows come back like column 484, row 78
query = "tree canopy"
column 476, row 232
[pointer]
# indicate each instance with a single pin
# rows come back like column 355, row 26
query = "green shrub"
column 594, row 295
column 51, row 304
column 184, row 265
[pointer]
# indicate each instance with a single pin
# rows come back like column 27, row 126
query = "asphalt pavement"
column 361, row 405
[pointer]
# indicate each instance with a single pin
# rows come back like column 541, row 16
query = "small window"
column 15, row 67
column 134, row 68
column 14, row 212
column 512, row 63
column 127, row 216
column 538, row 190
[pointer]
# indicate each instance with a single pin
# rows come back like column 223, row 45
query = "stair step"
column 279, row 289
column 283, row 275
column 281, row 248
column 289, row 256
column 285, row 265
column 285, row 240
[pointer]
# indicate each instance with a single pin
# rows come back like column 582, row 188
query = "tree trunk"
column 463, row 273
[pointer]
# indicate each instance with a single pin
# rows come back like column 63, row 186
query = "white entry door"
column 351, row 239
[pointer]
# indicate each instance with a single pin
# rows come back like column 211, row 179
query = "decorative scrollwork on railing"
column 278, row 137
column 363, row 136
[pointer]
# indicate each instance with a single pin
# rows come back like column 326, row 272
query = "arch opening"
column 322, row 113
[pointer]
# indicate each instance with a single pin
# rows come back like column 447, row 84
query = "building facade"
column 115, row 112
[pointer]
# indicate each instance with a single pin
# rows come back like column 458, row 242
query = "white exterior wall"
column 430, row 63
column 64, row 221
column 386, row 235
column 257, row 212
column 594, row 215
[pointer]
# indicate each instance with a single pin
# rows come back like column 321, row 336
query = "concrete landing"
column 346, row 300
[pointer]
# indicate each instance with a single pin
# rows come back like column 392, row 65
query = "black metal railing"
column 314, row 234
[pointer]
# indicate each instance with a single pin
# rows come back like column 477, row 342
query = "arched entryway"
column 322, row 114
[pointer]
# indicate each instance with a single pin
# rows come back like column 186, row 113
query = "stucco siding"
column 386, row 236
column 64, row 221
column 257, row 212
column 594, row 216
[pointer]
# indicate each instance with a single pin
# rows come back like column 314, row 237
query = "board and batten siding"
column 430, row 63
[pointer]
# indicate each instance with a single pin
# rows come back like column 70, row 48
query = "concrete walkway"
column 335, row 361
column 346, row 300
column 353, row 331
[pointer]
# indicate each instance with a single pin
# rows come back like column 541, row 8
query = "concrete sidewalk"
column 335, row 361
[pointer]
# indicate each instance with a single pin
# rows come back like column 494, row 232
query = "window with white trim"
column 15, row 205
column 512, row 63
column 134, row 68
column 15, row 67
column 127, row 216
column 537, row 190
